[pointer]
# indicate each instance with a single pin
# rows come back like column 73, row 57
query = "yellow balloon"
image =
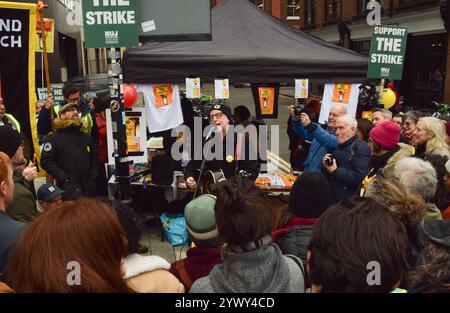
column 388, row 98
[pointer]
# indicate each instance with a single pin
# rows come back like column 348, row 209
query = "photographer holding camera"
column 322, row 137
column 348, row 165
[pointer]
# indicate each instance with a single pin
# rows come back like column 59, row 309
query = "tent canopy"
column 248, row 46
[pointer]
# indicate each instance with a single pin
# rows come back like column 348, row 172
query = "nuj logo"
column 111, row 36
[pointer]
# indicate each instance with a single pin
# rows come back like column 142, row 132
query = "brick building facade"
column 426, row 75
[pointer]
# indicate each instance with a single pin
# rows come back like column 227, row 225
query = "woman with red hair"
column 77, row 246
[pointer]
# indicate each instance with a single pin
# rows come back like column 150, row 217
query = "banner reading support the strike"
column 387, row 52
column 17, row 65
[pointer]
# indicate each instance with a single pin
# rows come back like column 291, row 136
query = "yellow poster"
column 266, row 99
column 341, row 93
column 49, row 25
column 132, row 127
column 163, row 95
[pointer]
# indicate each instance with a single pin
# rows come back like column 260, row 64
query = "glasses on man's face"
column 217, row 115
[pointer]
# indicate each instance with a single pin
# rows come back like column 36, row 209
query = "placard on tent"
column 174, row 20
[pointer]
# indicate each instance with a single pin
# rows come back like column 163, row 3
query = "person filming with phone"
column 348, row 165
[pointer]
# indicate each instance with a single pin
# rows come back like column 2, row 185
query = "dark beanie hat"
column 225, row 109
column 10, row 140
column 386, row 135
column 310, row 195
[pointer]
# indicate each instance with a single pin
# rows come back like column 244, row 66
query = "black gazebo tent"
column 248, row 46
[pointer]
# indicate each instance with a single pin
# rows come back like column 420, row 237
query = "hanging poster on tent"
column 163, row 95
column 266, row 100
column 340, row 93
column 301, row 88
column 222, row 88
column 136, row 134
column 193, row 88
column 17, row 66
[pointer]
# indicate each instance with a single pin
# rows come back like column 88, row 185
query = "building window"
column 362, row 47
column 362, row 6
column 310, row 12
column 293, row 10
column 258, row 3
column 332, row 10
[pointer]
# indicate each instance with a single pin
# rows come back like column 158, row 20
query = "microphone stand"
column 202, row 166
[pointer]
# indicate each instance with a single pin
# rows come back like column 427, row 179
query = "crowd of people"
column 369, row 213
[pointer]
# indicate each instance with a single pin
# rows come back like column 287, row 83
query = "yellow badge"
column 230, row 158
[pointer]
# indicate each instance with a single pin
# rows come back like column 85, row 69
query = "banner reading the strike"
column 387, row 52
column 17, row 65
column 110, row 23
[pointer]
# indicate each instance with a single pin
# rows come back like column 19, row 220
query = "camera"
column 298, row 110
column 329, row 162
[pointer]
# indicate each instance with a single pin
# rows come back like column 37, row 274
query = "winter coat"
column 230, row 169
column 198, row 263
column 70, row 156
column 10, row 231
column 23, row 207
column 295, row 236
column 150, row 274
column 322, row 142
column 261, row 270
column 352, row 159
column 405, row 151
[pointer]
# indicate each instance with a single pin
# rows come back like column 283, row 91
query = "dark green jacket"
column 23, row 207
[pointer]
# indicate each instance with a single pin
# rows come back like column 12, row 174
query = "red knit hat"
column 386, row 135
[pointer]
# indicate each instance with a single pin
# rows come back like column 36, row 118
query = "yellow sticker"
column 230, row 158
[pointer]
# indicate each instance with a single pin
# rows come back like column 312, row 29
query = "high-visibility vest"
column 14, row 123
column 86, row 119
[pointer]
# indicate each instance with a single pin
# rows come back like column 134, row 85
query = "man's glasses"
column 217, row 115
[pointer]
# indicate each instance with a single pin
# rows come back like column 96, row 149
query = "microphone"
column 211, row 131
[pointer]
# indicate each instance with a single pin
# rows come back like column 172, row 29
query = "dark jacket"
column 198, row 263
column 9, row 234
column 352, row 159
column 70, row 156
column 23, row 207
column 295, row 236
column 230, row 169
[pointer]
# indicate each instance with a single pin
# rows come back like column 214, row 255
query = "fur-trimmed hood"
column 405, row 151
column 60, row 124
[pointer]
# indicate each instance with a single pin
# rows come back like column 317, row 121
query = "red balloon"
column 129, row 95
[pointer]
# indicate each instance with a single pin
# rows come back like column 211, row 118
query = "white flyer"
column 301, row 88
column 193, row 88
column 222, row 89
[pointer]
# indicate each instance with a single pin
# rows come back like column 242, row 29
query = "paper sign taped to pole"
column 193, row 88
column 222, row 89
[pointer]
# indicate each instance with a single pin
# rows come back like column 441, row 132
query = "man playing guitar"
column 230, row 164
